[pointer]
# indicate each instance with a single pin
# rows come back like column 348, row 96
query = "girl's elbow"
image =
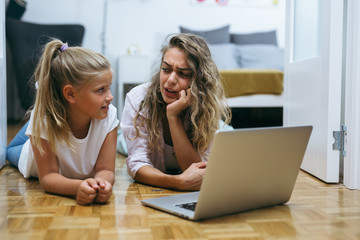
column 44, row 185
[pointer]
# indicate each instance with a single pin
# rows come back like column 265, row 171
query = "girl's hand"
column 174, row 109
column 104, row 192
column 87, row 191
column 192, row 177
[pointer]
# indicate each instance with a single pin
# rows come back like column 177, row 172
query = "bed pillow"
column 254, row 38
column 224, row 55
column 214, row 36
column 260, row 56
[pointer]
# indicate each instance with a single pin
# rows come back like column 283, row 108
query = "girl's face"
column 174, row 75
column 94, row 99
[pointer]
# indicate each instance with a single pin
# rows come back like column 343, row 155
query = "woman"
column 169, row 123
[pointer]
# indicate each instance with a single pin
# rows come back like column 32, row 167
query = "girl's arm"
column 48, row 172
column 190, row 179
column 105, row 167
column 105, row 164
column 184, row 151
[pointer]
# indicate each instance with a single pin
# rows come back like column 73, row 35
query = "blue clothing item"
column 14, row 148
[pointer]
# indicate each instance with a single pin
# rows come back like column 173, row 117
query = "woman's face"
column 174, row 75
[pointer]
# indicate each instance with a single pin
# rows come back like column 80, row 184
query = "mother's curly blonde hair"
column 208, row 103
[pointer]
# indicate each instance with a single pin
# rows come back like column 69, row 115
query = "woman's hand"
column 192, row 177
column 87, row 191
column 104, row 192
column 174, row 109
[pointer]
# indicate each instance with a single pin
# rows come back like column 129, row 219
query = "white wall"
column 86, row 12
column 146, row 23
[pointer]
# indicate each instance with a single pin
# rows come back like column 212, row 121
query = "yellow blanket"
column 240, row 82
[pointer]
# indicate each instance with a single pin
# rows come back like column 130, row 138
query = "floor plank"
column 315, row 211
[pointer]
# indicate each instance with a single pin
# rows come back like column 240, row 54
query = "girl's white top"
column 78, row 164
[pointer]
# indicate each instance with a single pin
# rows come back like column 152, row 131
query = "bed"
column 250, row 65
column 243, row 85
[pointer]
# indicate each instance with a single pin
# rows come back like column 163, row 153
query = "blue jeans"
column 14, row 148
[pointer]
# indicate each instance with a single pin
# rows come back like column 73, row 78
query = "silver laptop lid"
column 251, row 168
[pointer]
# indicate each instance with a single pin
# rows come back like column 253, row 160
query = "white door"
column 3, row 129
column 352, row 99
column 313, row 76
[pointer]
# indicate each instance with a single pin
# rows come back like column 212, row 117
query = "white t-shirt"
column 78, row 164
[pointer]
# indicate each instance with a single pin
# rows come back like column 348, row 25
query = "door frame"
column 352, row 96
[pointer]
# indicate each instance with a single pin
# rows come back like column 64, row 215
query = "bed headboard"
column 257, row 50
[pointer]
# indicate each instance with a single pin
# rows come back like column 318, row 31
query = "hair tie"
column 64, row 47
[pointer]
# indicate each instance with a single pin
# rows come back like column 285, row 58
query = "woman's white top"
column 78, row 164
column 138, row 155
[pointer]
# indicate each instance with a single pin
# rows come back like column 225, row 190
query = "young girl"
column 169, row 124
column 69, row 142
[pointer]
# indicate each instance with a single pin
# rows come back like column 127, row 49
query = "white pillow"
column 260, row 56
column 224, row 55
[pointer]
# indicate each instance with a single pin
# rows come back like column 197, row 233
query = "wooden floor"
column 315, row 211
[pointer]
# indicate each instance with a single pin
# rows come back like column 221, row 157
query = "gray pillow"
column 224, row 55
column 254, row 38
column 218, row 35
column 260, row 56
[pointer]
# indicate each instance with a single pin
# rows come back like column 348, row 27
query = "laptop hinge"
column 339, row 137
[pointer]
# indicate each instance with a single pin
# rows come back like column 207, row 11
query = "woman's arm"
column 190, row 179
column 141, row 164
column 184, row 151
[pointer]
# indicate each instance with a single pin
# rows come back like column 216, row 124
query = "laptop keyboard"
column 189, row 206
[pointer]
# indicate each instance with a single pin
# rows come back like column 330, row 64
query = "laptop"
column 247, row 169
